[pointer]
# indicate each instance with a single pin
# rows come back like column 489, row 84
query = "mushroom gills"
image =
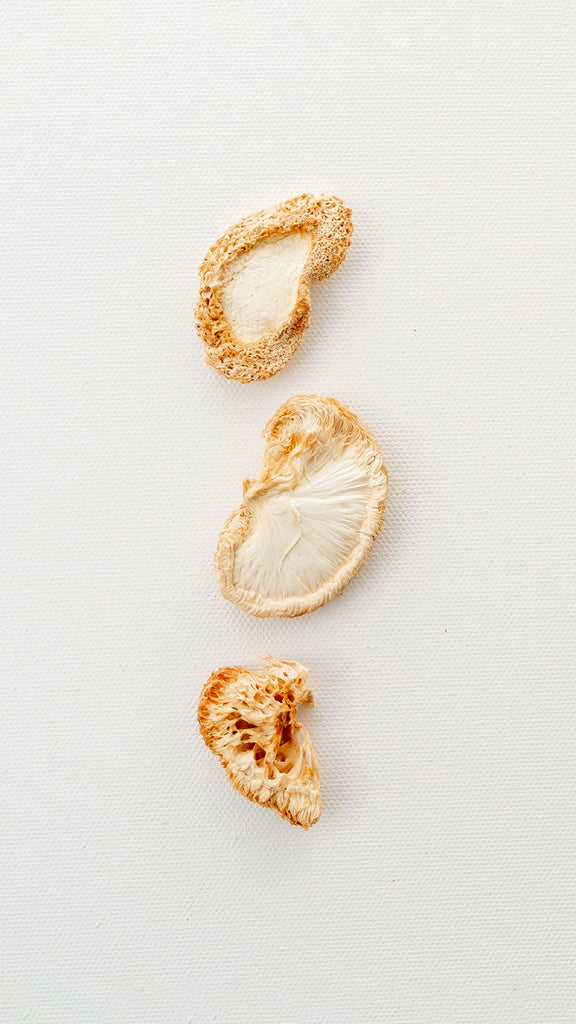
column 301, row 535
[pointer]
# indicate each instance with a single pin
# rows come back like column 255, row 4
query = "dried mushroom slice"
column 249, row 720
column 309, row 519
column 254, row 301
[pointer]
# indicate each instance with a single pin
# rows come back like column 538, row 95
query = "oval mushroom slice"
column 254, row 301
column 309, row 519
column 249, row 720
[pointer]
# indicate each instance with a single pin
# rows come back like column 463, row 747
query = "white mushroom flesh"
column 260, row 286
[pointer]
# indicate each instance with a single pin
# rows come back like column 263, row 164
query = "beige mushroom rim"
column 308, row 521
column 254, row 300
column 248, row 719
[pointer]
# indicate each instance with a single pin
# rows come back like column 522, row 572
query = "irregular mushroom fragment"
column 309, row 519
column 249, row 720
column 254, row 301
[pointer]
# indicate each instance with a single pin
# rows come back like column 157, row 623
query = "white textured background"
column 439, row 886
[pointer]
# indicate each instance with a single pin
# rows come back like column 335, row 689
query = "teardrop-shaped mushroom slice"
column 309, row 519
column 254, row 301
column 248, row 719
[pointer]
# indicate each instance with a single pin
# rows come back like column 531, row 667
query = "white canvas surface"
column 439, row 885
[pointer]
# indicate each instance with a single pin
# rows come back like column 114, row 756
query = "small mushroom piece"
column 254, row 300
column 248, row 719
column 308, row 521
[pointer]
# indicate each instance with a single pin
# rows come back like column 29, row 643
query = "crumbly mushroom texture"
column 254, row 300
column 308, row 520
column 248, row 719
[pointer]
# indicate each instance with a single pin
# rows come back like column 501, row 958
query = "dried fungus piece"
column 309, row 519
column 249, row 720
column 254, row 301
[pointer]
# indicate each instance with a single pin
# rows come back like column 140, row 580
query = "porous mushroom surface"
column 254, row 299
column 248, row 719
column 307, row 522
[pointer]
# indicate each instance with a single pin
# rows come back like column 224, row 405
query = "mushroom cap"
column 308, row 521
column 248, row 719
column 254, row 299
